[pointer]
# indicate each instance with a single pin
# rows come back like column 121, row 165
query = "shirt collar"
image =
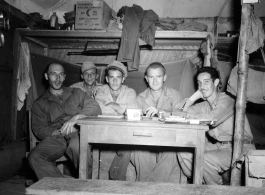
column 147, row 93
column 48, row 95
column 214, row 104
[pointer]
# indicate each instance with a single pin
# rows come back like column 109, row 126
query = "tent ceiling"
column 45, row 4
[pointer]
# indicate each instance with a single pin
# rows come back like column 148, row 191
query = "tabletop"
column 145, row 122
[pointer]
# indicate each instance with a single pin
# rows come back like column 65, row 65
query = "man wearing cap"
column 115, row 97
column 89, row 75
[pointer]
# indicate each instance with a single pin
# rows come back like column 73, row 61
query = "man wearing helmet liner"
column 114, row 98
column 89, row 75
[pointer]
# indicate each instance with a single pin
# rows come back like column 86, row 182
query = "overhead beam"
column 38, row 42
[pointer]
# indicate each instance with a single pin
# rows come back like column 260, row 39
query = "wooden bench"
column 69, row 186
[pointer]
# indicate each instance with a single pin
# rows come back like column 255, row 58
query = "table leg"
column 83, row 172
column 199, row 158
column 96, row 163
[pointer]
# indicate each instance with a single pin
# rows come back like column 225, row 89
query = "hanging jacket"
column 134, row 27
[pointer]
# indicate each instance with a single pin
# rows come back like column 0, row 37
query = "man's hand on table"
column 151, row 111
column 68, row 126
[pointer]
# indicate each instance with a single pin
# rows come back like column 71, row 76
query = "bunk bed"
column 55, row 45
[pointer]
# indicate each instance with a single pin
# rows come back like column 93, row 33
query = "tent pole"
column 241, row 93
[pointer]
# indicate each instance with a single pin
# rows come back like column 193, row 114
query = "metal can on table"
column 161, row 115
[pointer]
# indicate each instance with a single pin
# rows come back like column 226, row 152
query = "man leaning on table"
column 54, row 114
column 114, row 98
column 157, row 98
column 219, row 106
column 89, row 75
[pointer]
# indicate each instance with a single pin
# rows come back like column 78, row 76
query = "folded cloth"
column 192, row 26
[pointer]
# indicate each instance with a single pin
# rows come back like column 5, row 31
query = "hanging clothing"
column 23, row 75
column 255, row 85
column 33, row 94
column 137, row 23
column 255, row 35
column 147, row 27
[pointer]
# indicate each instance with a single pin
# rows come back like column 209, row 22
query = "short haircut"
column 213, row 72
column 48, row 67
column 155, row 65
column 113, row 68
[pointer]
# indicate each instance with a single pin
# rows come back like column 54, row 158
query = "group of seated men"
column 55, row 113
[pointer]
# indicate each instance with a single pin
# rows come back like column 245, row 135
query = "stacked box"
column 92, row 15
column 255, row 168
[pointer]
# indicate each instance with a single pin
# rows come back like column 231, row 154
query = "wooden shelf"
column 108, row 34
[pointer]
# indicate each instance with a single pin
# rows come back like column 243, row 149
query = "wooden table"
column 145, row 132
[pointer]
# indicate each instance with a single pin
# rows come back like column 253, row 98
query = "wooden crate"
column 92, row 15
column 255, row 168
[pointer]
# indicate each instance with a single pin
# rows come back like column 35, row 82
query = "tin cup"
column 161, row 115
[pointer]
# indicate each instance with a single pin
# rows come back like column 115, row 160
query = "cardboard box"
column 255, row 168
column 134, row 114
column 92, row 15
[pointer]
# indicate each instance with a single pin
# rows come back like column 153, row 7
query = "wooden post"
column 241, row 93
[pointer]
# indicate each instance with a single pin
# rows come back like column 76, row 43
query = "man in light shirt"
column 219, row 106
column 156, row 98
column 89, row 75
column 114, row 98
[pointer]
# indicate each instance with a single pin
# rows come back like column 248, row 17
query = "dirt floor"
column 13, row 186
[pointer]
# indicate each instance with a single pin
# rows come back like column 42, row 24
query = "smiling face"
column 90, row 76
column 155, row 78
column 115, row 79
column 55, row 76
column 207, row 86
